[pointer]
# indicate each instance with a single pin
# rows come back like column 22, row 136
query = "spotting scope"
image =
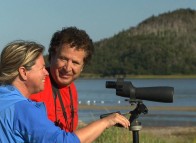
column 126, row 89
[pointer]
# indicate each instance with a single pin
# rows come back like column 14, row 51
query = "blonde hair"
column 16, row 54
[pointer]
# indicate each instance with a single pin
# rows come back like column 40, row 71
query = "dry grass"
column 170, row 131
column 171, row 134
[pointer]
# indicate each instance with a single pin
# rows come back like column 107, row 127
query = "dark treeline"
column 160, row 45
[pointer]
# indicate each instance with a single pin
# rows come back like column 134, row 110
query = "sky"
column 37, row 20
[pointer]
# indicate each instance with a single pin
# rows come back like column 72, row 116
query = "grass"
column 149, row 135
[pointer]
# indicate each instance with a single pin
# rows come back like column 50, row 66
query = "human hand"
column 116, row 118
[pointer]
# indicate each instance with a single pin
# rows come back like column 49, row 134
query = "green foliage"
column 162, row 45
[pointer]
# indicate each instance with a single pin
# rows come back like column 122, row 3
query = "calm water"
column 93, row 92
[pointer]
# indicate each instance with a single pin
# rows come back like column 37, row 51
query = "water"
column 93, row 92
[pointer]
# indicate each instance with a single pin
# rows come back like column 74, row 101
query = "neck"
column 21, row 87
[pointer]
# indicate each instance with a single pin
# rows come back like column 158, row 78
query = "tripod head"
column 134, row 114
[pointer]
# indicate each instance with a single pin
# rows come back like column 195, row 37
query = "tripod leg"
column 135, row 128
column 135, row 136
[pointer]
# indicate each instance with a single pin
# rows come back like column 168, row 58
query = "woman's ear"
column 22, row 73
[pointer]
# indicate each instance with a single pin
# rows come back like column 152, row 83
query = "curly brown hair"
column 74, row 37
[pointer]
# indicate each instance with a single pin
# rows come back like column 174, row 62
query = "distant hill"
column 160, row 45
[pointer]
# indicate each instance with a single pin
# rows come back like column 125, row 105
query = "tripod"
column 135, row 126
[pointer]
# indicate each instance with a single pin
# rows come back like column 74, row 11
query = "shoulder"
column 73, row 86
column 29, row 114
column 30, row 108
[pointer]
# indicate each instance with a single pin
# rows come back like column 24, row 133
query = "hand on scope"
column 116, row 118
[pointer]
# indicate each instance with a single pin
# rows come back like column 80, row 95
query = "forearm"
column 90, row 132
column 93, row 130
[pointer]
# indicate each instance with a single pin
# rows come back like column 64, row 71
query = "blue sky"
column 37, row 20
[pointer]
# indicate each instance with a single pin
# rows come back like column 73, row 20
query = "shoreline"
column 154, row 108
column 96, row 76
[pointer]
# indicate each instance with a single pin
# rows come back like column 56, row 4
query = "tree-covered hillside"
column 160, row 45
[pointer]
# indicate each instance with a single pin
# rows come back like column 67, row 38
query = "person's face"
column 67, row 64
column 36, row 76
